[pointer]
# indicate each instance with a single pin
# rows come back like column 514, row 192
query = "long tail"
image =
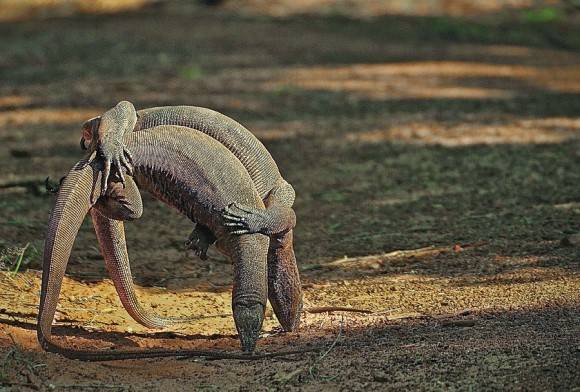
column 111, row 237
column 72, row 204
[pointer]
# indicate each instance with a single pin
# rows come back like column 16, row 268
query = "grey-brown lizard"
column 106, row 133
column 177, row 165
column 279, row 194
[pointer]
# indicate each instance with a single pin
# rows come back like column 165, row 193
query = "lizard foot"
column 245, row 220
column 199, row 241
column 113, row 159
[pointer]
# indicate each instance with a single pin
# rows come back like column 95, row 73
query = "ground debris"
column 381, row 376
column 328, row 309
column 458, row 323
column 377, row 261
column 571, row 240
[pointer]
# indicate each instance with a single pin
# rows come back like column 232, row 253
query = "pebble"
column 381, row 376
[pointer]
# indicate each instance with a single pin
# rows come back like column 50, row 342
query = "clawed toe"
column 199, row 241
column 52, row 187
column 197, row 249
column 242, row 220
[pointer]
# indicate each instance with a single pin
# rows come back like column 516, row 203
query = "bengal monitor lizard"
column 192, row 184
column 106, row 133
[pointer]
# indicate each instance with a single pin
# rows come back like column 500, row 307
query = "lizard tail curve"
column 111, row 237
column 72, row 204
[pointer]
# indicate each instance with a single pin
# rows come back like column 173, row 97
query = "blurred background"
column 433, row 146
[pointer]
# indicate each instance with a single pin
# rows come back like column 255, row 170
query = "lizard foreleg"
column 278, row 217
column 104, row 135
column 199, row 240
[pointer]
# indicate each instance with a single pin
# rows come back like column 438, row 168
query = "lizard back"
column 191, row 172
column 240, row 141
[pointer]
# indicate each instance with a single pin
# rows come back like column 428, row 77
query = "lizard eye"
column 83, row 146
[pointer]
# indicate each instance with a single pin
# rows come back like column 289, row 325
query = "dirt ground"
column 436, row 165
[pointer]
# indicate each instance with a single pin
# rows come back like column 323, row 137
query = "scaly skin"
column 108, row 132
column 276, row 221
column 72, row 203
column 175, row 165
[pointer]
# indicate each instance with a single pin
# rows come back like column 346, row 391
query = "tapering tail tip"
column 288, row 314
column 249, row 319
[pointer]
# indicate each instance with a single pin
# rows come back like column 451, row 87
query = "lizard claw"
column 119, row 170
column 199, row 241
column 113, row 158
column 105, row 177
column 127, row 161
column 197, row 248
column 244, row 220
column 52, row 187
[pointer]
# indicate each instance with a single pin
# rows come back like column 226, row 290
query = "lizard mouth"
column 248, row 320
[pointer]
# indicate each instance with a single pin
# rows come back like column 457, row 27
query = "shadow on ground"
column 473, row 350
column 435, row 162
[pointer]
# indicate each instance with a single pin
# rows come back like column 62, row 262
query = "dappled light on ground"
column 12, row 101
column 369, row 8
column 432, row 80
column 536, row 131
column 435, row 162
column 49, row 117
column 27, row 9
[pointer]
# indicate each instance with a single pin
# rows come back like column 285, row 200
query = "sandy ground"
column 436, row 166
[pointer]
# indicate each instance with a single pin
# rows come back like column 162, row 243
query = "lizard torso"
column 241, row 142
column 107, row 132
column 177, row 166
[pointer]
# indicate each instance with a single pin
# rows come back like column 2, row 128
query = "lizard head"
column 122, row 116
column 90, row 128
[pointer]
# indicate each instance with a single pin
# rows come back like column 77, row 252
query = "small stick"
column 248, row 357
column 121, row 387
column 326, row 309
column 338, row 335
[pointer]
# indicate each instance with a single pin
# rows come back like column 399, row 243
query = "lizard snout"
column 248, row 319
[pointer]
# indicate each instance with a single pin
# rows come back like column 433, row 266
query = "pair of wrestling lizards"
column 212, row 170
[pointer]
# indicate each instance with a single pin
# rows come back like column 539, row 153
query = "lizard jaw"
column 249, row 319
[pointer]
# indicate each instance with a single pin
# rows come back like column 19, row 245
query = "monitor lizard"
column 105, row 134
column 177, row 165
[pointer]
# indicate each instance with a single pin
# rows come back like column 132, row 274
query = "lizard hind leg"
column 199, row 240
column 111, row 238
column 284, row 288
column 124, row 204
